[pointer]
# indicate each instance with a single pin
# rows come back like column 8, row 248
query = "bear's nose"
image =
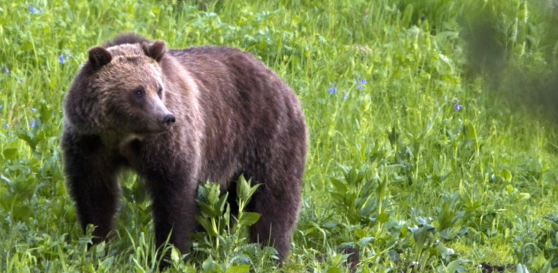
column 169, row 119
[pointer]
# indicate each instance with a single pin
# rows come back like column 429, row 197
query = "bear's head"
column 120, row 90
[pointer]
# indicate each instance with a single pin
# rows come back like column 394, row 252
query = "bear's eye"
column 139, row 92
column 159, row 90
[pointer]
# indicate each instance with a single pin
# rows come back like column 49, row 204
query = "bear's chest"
column 132, row 152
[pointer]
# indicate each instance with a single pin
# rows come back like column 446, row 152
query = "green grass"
column 393, row 169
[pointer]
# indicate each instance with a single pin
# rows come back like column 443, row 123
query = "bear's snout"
column 168, row 120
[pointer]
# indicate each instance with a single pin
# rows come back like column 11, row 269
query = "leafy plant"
column 225, row 233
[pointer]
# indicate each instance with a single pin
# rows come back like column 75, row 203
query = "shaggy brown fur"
column 179, row 118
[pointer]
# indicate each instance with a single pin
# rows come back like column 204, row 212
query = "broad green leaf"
column 520, row 268
column 206, row 225
column 220, row 206
column 213, row 195
column 238, row 269
column 339, row 186
column 207, row 210
column 364, row 241
column 211, row 266
column 506, row 175
column 10, row 154
column 249, row 218
column 361, row 233
column 242, row 188
column 175, row 254
column 470, row 131
column 333, row 270
column 383, row 217
column 455, row 266
column 28, row 139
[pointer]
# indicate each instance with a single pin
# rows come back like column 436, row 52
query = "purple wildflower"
column 6, row 126
column 61, row 59
column 361, row 83
column 1, row 107
column 332, row 90
column 32, row 10
column 344, row 96
column 32, row 124
column 6, row 71
column 457, row 106
column 33, row 110
column 40, row 10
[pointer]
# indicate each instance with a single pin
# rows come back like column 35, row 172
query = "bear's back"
column 247, row 107
column 237, row 82
column 216, row 61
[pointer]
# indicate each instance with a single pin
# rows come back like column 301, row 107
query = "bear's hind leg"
column 278, row 207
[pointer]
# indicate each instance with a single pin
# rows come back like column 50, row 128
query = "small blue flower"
column 61, row 59
column 361, row 84
column 332, row 90
column 6, row 126
column 34, row 110
column 40, row 10
column 32, row 124
column 1, row 107
column 457, row 106
column 344, row 96
column 32, row 10
column 6, row 71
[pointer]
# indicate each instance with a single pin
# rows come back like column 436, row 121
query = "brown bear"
column 179, row 118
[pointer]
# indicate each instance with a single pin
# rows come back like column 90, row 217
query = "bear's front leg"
column 91, row 176
column 174, row 207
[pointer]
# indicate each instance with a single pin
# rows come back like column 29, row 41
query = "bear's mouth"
column 153, row 131
column 153, row 126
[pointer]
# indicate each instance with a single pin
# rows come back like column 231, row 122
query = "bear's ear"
column 99, row 56
column 156, row 50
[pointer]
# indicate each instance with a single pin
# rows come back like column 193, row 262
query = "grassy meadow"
column 433, row 144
